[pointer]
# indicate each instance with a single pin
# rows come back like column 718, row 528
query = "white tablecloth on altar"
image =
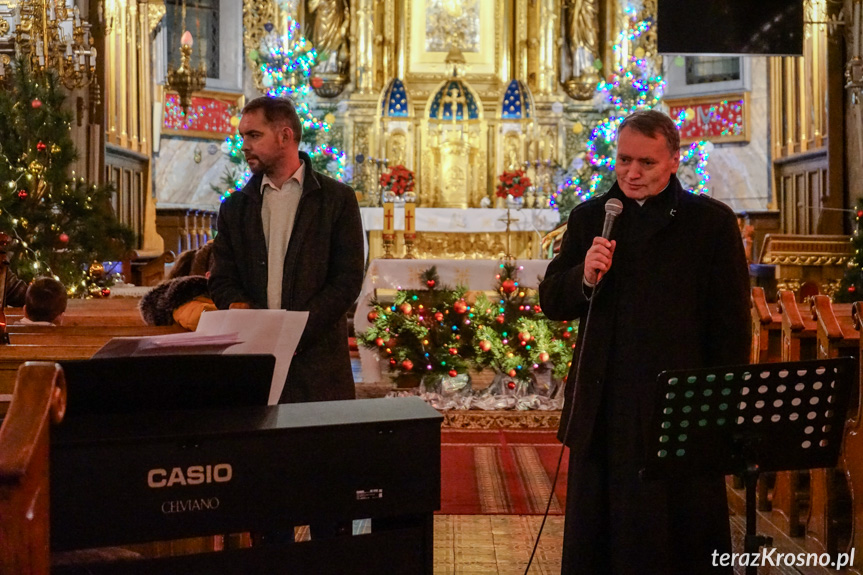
column 471, row 220
column 394, row 274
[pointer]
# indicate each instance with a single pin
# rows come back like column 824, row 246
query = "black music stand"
column 747, row 420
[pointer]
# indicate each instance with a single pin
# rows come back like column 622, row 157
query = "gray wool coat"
column 323, row 275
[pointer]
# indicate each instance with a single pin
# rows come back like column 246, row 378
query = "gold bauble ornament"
column 97, row 270
column 577, row 128
column 329, row 118
column 36, row 168
column 55, row 149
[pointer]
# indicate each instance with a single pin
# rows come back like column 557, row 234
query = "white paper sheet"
column 272, row 331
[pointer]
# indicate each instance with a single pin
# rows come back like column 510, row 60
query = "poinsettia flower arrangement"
column 513, row 183
column 398, row 180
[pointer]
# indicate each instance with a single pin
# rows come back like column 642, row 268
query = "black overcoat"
column 323, row 275
column 676, row 297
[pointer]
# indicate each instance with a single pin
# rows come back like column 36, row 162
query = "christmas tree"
column 851, row 286
column 61, row 223
column 634, row 86
column 285, row 63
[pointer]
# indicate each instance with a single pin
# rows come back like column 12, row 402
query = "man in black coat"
column 292, row 239
column 669, row 291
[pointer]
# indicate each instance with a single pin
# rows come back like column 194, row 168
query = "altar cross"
column 508, row 220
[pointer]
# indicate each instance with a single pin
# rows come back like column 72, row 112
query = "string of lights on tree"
column 285, row 63
column 635, row 86
column 851, row 286
column 63, row 226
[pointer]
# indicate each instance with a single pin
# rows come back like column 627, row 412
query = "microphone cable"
column 596, row 289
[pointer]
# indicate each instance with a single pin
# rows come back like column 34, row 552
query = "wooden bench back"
column 39, row 401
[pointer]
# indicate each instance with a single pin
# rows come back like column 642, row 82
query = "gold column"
column 122, row 85
column 519, row 42
column 548, row 51
column 362, row 56
column 111, row 65
column 134, row 75
column 145, row 95
column 788, row 89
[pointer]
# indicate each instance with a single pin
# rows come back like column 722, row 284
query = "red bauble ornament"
column 379, row 342
column 537, row 309
column 566, row 335
column 392, row 361
column 22, row 194
column 438, row 316
column 36, row 103
column 508, row 286
column 460, row 306
column 430, row 283
column 511, row 373
column 852, row 289
column 41, row 146
column 64, row 238
column 511, row 384
column 543, row 356
column 500, row 319
column 317, row 82
column 524, row 336
column 106, row 292
column 453, row 351
column 453, row 373
column 373, row 315
column 406, row 308
column 408, row 365
column 860, row 213
column 485, row 345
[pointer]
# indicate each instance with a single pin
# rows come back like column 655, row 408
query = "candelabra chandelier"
column 185, row 80
column 49, row 37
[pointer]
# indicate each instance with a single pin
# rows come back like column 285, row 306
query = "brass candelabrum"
column 186, row 80
column 41, row 41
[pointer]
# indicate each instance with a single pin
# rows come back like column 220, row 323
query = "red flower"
column 512, row 183
column 398, row 180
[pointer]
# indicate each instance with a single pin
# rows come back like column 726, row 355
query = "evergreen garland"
column 851, row 286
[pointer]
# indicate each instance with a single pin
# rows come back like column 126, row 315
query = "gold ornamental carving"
column 256, row 13
column 460, row 246
column 4, row 27
column 155, row 13
column 455, row 419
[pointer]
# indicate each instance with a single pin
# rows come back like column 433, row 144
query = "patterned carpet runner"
column 500, row 472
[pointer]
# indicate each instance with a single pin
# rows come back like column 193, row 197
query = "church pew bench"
column 766, row 347
column 830, row 504
column 107, row 330
column 766, row 328
column 12, row 356
column 852, row 450
column 790, row 490
column 39, row 402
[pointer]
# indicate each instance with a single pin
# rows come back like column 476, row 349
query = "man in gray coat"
column 292, row 239
column 670, row 290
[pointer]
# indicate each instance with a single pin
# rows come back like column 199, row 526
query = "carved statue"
column 581, row 46
column 329, row 25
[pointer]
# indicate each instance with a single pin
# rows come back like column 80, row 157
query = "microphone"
column 613, row 208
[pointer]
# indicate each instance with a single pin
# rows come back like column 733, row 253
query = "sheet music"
column 272, row 331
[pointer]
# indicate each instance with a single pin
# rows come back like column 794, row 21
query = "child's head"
column 45, row 300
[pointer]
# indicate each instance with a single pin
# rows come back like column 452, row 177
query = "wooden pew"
column 766, row 329
column 766, row 347
column 39, row 401
column 790, row 490
column 829, row 500
column 852, row 451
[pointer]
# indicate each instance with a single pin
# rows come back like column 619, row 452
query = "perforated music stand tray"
column 749, row 419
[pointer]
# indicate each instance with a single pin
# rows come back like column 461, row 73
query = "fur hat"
column 158, row 305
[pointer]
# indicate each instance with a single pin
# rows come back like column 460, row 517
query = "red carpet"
column 500, row 472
